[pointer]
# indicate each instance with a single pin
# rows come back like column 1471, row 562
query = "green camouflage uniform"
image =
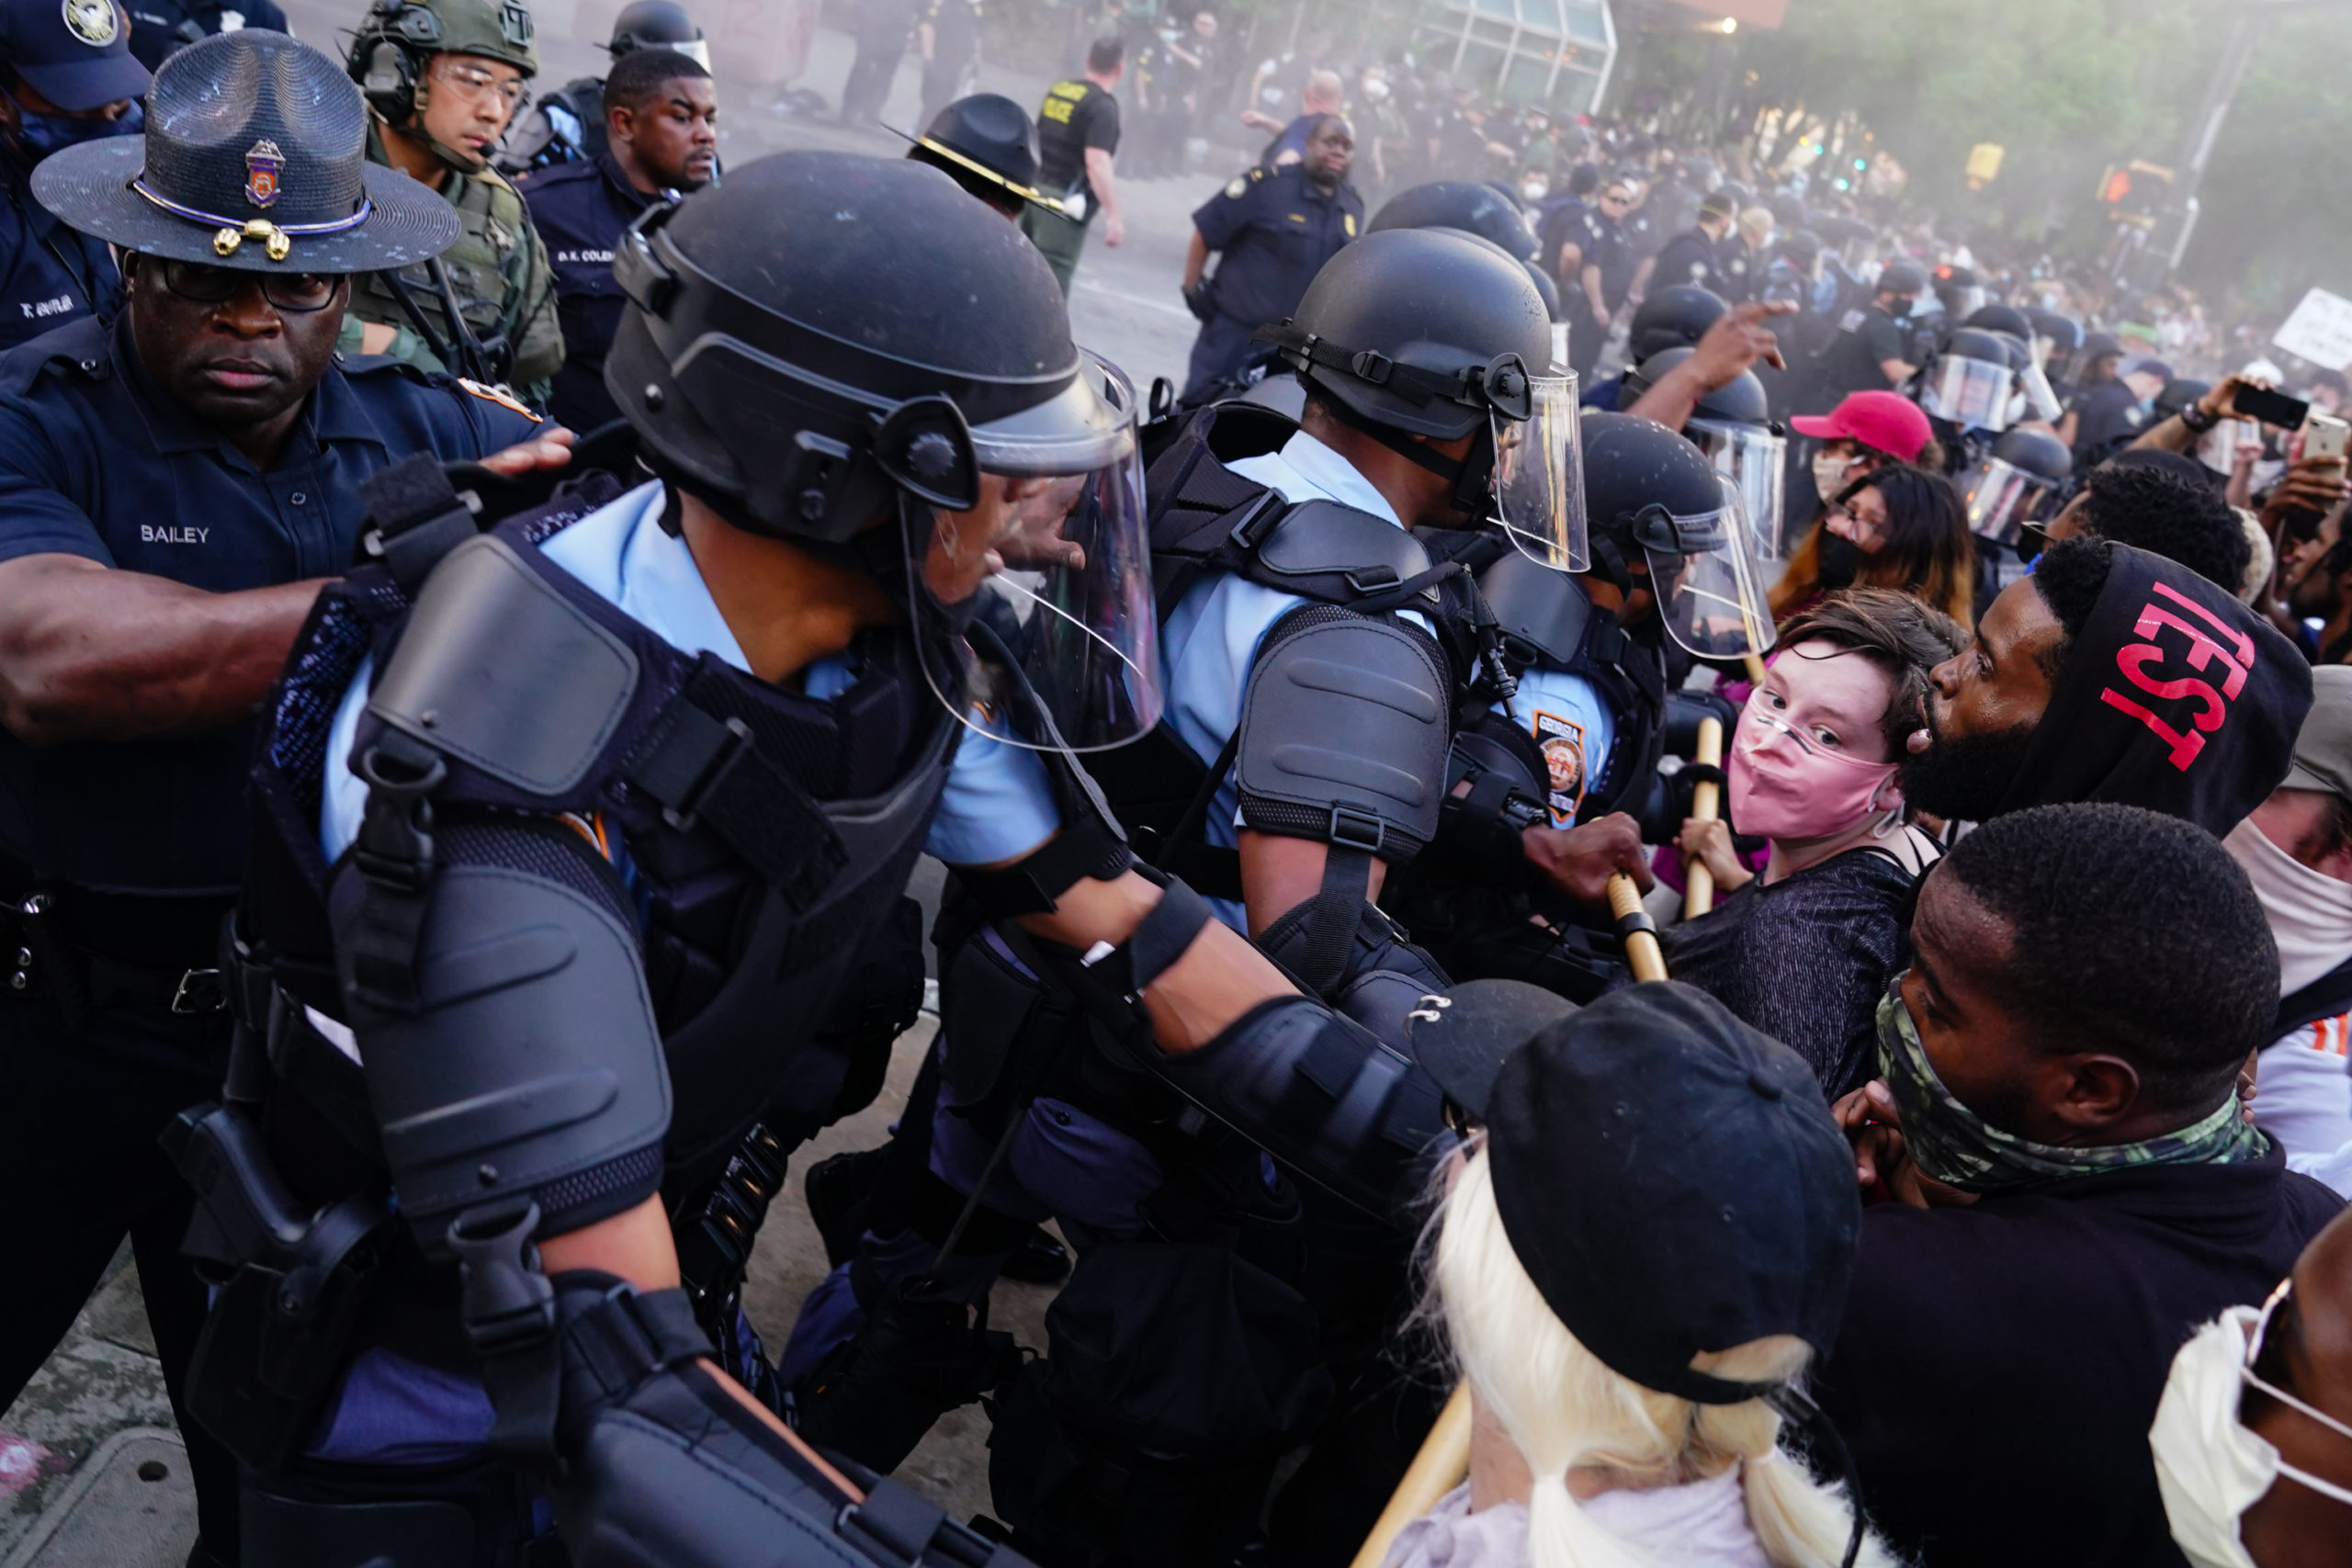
column 499, row 271
column 498, row 268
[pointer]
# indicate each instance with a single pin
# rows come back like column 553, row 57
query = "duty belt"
column 40, row 926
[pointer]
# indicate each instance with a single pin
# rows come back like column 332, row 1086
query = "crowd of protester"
column 1939, row 679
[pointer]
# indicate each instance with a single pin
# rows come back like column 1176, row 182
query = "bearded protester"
column 1803, row 952
column 1630, row 1357
column 2296, row 848
column 2110, row 674
column 2079, row 1186
column 2253, row 1443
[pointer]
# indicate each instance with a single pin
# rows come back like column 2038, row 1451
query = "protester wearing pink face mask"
column 1804, row 952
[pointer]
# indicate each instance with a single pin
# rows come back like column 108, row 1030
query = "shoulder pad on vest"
column 498, row 669
column 1327, row 539
column 1234, row 430
column 1534, row 604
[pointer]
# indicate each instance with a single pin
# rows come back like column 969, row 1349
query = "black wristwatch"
column 2197, row 420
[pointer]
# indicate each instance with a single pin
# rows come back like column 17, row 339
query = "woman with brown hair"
column 1897, row 527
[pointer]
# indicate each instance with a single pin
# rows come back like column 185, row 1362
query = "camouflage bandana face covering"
column 1960, row 1148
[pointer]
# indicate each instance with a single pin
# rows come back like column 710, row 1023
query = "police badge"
column 92, row 22
column 264, row 163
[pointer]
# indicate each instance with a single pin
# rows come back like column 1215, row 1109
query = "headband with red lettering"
column 2176, row 697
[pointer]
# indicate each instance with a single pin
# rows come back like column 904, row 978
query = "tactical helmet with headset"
column 392, row 51
column 1433, row 334
column 825, row 340
column 657, row 24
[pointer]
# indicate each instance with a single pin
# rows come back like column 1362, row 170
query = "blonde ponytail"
column 1562, row 1408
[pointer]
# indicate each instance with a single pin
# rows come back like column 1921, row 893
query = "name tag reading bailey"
column 2233, row 649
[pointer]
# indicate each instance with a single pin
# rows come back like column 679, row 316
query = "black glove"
column 1199, row 301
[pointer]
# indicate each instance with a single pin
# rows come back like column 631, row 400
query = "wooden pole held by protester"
column 1436, row 1469
column 1635, row 930
column 1706, row 804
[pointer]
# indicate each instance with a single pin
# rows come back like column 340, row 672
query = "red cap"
column 1885, row 422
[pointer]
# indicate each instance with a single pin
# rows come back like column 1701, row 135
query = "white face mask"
column 2310, row 915
column 1829, row 475
column 2210, row 1468
column 1535, row 190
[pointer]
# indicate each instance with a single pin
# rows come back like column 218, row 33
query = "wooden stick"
column 1635, row 930
column 1706, row 804
column 1436, row 1469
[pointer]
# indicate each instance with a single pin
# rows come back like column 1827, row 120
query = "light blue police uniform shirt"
column 1211, row 639
column 1575, row 729
column 997, row 803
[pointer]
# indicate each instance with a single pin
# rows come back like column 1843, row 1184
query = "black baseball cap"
column 1462, row 1039
column 76, row 53
column 1673, row 1183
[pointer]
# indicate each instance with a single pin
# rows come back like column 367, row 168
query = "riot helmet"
column 1968, row 382
column 851, row 355
column 2012, row 484
column 1958, row 288
column 1674, row 317
column 1906, row 279
column 1492, row 214
column 657, row 24
column 1652, row 496
column 1801, row 248
column 392, row 57
column 1733, row 425
column 1997, row 318
column 1429, row 333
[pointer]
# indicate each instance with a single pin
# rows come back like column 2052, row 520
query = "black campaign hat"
column 1463, row 1038
column 255, row 157
column 76, row 53
column 1673, row 1183
column 986, row 134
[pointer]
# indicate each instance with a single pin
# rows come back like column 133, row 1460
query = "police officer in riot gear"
column 443, row 78
column 567, row 125
column 1553, row 789
column 1673, row 317
column 581, row 838
column 1282, row 558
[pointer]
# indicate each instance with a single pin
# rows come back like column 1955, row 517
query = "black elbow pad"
column 1344, row 729
column 532, row 1066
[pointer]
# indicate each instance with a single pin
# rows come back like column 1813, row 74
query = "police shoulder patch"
column 498, row 395
column 1238, row 188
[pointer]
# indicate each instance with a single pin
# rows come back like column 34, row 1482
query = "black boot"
column 918, row 1357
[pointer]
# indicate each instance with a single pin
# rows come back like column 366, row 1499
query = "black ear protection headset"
column 388, row 55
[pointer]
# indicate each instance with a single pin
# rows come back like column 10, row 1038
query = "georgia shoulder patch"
column 498, row 395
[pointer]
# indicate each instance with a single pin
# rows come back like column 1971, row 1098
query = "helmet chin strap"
column 1471, row 475
column 412, row 131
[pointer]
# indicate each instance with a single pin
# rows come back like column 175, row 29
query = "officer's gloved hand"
column 1198, row 300
column 1581, row 860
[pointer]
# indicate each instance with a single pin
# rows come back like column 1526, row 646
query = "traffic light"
column 2119, row 187
column 2134, row 192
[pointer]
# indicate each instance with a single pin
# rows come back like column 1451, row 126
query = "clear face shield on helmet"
column 1703, row 574
column 1753, row 459
column 1970, row 393
column 1539, row 477
column 2003, row 498
column 1051, row 570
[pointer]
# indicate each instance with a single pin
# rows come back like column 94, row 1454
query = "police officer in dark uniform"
column 571, row 870
column 159, row 26
column 1609, row 267
column 1696, row 256
column 175, row 485
column 1674, row 317
column 1273, row 229
column 660, row 109
column 1868, row 352
column 568, row 125
column 67, row 77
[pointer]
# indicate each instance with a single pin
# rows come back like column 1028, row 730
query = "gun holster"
column 288, row 1287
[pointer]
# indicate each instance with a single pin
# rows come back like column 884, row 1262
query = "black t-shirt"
column 1865, row 340
column 1806, row 959
column 2000, row 1365
column 1076, row 114
column 1689, row 257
